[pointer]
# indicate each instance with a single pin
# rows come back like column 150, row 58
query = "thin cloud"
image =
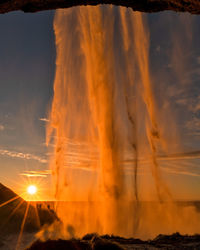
column 171, row 157
column 1, row 127
column 182, row 101
column 181, row 156
column 158, row 48
column 86, row 168
column 180, row 172
column 33, row 173
column 193, row 125
column 43, row 119
column 20, row 155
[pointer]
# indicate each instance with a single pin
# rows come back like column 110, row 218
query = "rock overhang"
column 191, row 6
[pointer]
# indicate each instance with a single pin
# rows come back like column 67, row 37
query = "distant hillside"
column 6, row 194
column 12, row 213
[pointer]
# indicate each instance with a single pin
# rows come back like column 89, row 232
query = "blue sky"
column 27, row 65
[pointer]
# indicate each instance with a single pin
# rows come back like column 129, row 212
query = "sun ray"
column 7, row 202
column 37, row 215
column 12, row 213
column 22, row 226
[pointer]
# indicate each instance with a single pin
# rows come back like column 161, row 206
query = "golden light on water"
column 32, row 189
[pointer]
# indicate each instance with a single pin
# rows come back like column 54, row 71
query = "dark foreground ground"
column 12, row 214
column 95, row 242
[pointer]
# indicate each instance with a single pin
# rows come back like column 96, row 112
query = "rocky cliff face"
column 191, row 6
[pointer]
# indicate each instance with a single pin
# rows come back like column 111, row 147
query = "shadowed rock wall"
column 191, row 6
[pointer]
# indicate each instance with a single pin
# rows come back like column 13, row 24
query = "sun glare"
column 32, row 189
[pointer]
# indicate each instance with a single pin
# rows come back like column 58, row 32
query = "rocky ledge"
column 106, row 242
column 191, row 6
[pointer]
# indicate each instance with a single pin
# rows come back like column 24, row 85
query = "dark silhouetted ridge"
column 12, row 211
column 191, row 6
column 7, row 194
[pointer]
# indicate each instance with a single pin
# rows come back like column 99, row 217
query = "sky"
column 27, row 66
column 175, row 69
column 27, row 70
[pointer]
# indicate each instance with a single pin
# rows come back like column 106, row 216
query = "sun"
column 32, row 189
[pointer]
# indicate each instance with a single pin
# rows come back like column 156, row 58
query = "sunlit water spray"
column 104, row 114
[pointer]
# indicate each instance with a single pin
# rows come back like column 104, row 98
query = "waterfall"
column 104, row 124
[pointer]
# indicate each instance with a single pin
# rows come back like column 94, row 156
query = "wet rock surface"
column 191, row 6
column 95, row 242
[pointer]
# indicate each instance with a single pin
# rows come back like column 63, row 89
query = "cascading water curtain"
column 104, row 125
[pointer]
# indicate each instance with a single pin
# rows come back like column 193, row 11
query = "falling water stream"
column 103, row 114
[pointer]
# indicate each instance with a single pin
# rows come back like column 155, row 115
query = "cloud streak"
column 176, row 164
column 14, row 154
column 33, row 173
column 180, row 172
column 1, row 127
column 43, row 119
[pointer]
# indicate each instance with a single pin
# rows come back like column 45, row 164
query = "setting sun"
column 32, row 189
